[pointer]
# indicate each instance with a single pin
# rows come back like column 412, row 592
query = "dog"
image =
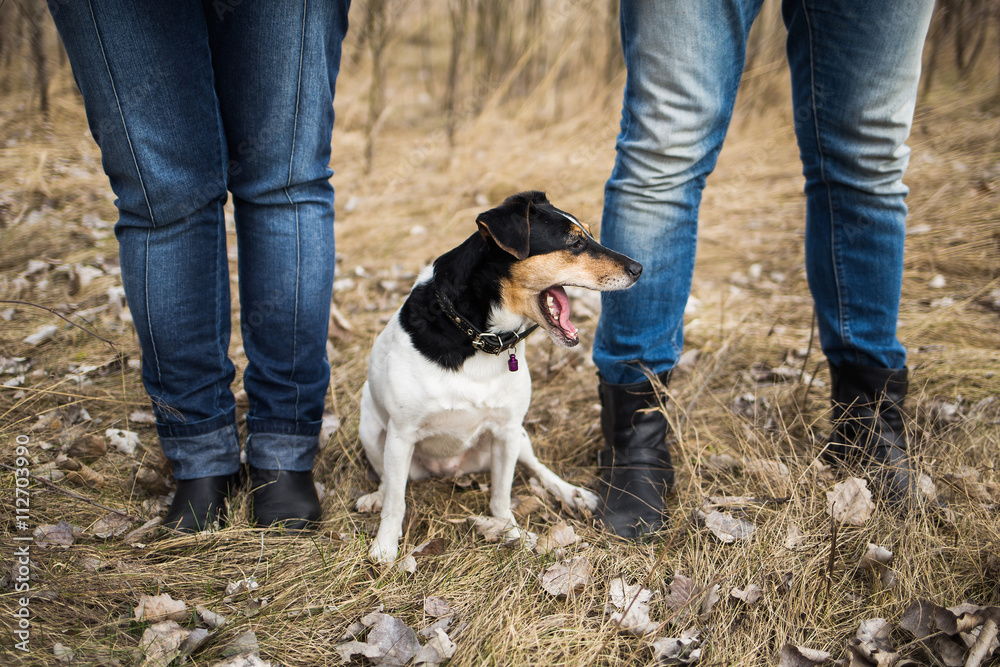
column 440, row 398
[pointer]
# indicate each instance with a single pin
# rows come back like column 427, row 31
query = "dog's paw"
column 512, row 534
column 370, row 503
column 382, row 553
column 584, row 500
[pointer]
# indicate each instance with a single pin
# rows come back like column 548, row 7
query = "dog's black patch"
column 470, row 275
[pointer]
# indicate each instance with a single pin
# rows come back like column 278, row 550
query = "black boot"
column 868, row 432
column 636, row 471
column 284, row 499
column 198, row 503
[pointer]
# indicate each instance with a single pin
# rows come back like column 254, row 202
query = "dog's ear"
column 509, row 226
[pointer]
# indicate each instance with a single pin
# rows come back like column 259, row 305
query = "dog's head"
column 550, row 249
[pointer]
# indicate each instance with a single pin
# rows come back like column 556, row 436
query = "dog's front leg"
column 573, row 497
column 399, row 446
column 503, row 452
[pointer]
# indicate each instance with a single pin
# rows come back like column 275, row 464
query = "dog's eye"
column 577, row 244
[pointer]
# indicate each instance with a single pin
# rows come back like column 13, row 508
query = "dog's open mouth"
column 555, row 307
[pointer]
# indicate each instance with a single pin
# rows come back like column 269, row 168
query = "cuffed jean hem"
column 211, row 454
column 281, row 451
column 194, row 429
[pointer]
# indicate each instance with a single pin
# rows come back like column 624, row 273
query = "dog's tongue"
column 559, row 308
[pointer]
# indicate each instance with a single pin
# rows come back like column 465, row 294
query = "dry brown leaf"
column 438, row 649
column 795, row 537
column 161, row 643
column 871, row 645
column 559, row 535
column 629, row 607
column 681, row 592
column 721, row 463
column 850, row 502
column 210, row 618
column 61, row 534
column 791, row 655
column 160, row 607
column 390, row 642
column 711, row 597
column 125, row 442
column 490, row 528
column 568, row 577
column 877, row 561
column 437, row 607
column 750, row 595
column 726, row 527
column 768, row 471
column 88, row 447
column 111, row 524
column 522, row 506
column 683, row 650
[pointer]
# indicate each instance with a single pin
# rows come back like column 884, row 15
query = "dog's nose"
column 634, row 269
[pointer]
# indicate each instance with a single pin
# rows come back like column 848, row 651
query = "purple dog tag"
column 512, row 363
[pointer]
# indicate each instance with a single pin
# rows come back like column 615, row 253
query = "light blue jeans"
column 855, row 66
column 188, row 100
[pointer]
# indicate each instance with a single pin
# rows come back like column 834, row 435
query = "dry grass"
column 557, row 137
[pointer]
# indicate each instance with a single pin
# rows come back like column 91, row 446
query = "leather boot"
column 868, row 432
column 284, row 499
column 198, row 503
column 636, row 471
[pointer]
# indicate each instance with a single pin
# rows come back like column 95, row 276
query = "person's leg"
column 855, row 68
column 144, row 70
column 684, row 63
column 276, row 67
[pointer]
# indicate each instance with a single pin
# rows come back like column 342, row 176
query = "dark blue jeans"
column 188, row 100
column 855, row 66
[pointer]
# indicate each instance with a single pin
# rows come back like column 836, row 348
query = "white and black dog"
column 447, row 385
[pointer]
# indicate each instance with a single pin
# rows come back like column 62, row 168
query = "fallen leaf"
column 726, row 527
column 681, row 592
column 62, row 653
column 722, row 463
column 41, row 335
column 242, row 645
column 683, row 650
column 559, row 535
column 750, row 595
column 210, row 618
column 791, row 655
column 630, row 605
column 61, row 534
column 872, row 645
column 243, row 660
column 877, row 561
column 795, row 537
column 111, row 524
column 437, row 607
column 490, row 528
column 850, row 502
column 161, row 643
column 125, row 442
column 438, row 649
column 160, row 607
column 434, row 547
column 711, row 597
column 142, row 417
column 88, row 447
column 568, row 577
column 767, row 471
column 522, row 506
column 390, row 642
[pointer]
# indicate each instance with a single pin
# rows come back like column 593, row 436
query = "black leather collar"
column 487, row 341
